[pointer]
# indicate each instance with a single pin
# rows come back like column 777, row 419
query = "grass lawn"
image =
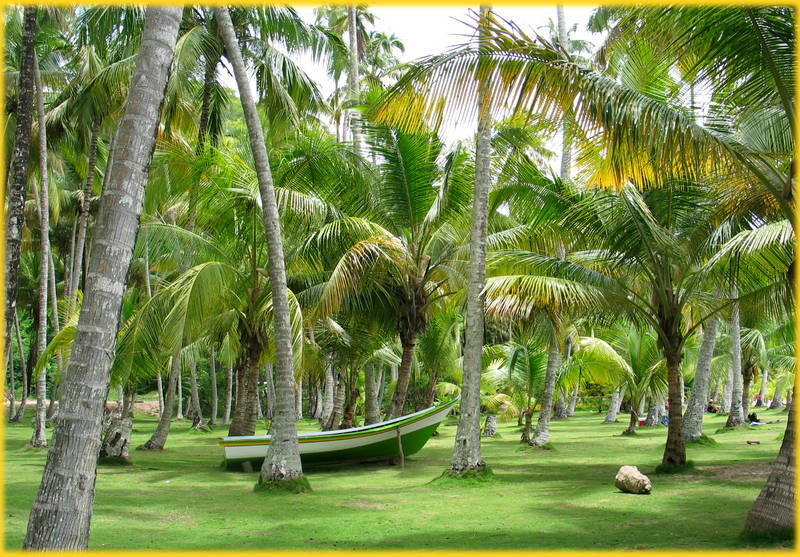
column 563, row 498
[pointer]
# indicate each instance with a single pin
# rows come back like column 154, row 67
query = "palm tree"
column 15, row 215
column 56, row 521
column 283, row 456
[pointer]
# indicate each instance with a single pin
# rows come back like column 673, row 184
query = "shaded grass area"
column 564, row 498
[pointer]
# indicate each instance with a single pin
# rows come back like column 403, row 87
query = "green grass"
column 537, row 499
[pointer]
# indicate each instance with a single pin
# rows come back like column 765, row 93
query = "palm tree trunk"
column 526, row 431
column 777, row 399
column 338, row 402
column 318, row 412
column 403, row 376
column 214, row 395
column 226, row 417
column 15, row 207
column 675, row 449
column 83, row 223
column 490, row 425
column 541, row 435
column 159, row 438
column 349, row 414
column 372, row 414
column 762, row 391
column 566, row 137
column 698, row 402
column 774, row 508
column 197, row 412
column 24, row 402
column 573, row 401
column 467, row 448
column 270, row 389
column 613, row 408
column 117, row 438
column 179, row 415
column 654, row 411
column 352, row 74
column 329, row 395
column 299, row 394
column 727, row 396
column 61, row 516
column 283, row 454
column 10, row 383
column 736, row 417
column 245, row 415
column 71, row 268
column 747, row 382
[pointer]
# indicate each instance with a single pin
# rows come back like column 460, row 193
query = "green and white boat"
column 383, row 440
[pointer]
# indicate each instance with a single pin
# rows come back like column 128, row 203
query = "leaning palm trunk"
column 736, row 416
column 467, row 449
column 573, row 401
column 159, row 438
column 693, row 418
column 283, row 454
column 61, row 515
column 15, row 203
column 542, row 433
column 774, row 507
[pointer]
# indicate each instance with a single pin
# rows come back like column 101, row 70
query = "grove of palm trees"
column 589, row 245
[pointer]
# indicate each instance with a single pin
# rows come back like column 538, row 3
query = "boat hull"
column 374, row 442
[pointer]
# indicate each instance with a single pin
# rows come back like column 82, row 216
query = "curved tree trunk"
column 698, row 402
column 61, row 515
column 403, row 377
column 736, row 417
column 774, row 507
column 283, row 454
column 17, row 184
column 467, row 448
column 159, row 437
column 542, row 433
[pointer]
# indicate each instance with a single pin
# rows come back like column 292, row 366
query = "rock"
column 630, row 480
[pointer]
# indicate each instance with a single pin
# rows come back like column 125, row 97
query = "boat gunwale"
column 350, row 433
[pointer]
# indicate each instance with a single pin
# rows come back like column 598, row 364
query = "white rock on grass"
column 630, row 480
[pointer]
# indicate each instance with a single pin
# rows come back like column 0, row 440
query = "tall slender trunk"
column 197, row 412
column 762, row 391
column 566, row 136
column 159, row 437
column 329, row 394
column 15, row 207
column 83, row 223
column 270, row 389
column 542, row 433
column 698, row 402
column 71, row 267
column 338, row 402
column 61, row 516
column 675, row 449
column 226, row 416
column 372, row 409
column 613, row 407
column 467, row 448
column 736, row 416
column 39, row 438
column 352, row 74
column 775, row 506
column 299, row 403
column 10, row 383
column 573, row 399
column 727, row 392
column 398, row 403
column 24, row 402
column 318, row 412
column 53, row 405
column 214, row 395
column 202, row 129
column 526, row 431
column 747, row 381
column 283, row 454
column 349, row 414
column 179, row 415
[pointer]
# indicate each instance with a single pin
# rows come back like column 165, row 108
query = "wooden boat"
column 383, row 440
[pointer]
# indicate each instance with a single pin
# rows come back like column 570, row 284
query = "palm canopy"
column 645, row 139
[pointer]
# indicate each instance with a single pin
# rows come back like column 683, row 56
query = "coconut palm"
column 63, row 523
